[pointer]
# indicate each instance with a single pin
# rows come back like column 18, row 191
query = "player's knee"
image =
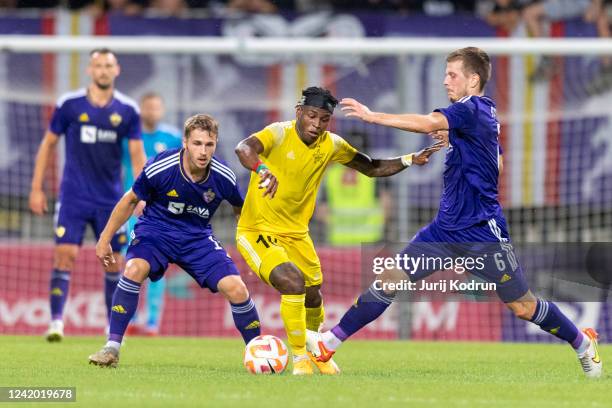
column 522, row 310
column 234, row 289
column 388, row 280
column 288, row 280
column 136, row 270
column 65, row 256
column 313, row 297
column 64, row 263
column 291, row 285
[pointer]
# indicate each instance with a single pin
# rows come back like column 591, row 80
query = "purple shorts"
column 488, row 240
column 72, row 218
column 202, row 257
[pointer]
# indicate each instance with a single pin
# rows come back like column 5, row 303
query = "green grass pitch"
column 198, row 372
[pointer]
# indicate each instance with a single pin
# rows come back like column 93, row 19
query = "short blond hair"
column 201, row 121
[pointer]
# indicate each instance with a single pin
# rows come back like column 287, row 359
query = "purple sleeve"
column 59, row 121
column 142, row 186
column 459, row 115
column 235, row 197
column 134, row 130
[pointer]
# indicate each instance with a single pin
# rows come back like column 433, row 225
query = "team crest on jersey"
column 318, row 156
column 115, row 119
column 209, row 195
column 84, row 117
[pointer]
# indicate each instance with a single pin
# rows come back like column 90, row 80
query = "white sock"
column 57, row 323
column 330, row 340
column 584, row 345
column 113, row 344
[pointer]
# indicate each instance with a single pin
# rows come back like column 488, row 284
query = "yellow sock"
column 293, row 313
column 315, row 317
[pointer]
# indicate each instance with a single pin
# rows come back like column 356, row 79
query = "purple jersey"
column 175, row 204
column 471, row 167
column 93, row 137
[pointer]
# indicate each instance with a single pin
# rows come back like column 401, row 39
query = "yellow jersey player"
column 288, row 160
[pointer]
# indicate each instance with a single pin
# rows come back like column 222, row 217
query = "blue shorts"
column 489, row 241
column 203, row 258
column 71, row 219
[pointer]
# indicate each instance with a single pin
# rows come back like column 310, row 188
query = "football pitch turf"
column 205, row 372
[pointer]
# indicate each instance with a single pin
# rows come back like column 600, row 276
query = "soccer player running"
column 288, row 160
column 182, row 188
column 95, row 121
column 469, row 208
column 157, row 137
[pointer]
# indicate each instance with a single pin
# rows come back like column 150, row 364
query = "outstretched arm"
column 407, row 121
column 122, row 211
column 388, row 167
column 248, row 151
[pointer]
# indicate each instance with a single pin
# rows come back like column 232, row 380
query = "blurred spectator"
column 378, row 5
column 168, row 8
column 505, row 14
column 550, row 11
column 126, row 7
column 252, row 6
column 464, row 6
column 205, row 4
column 448, row 7
column 96, row 7
column 309, row 6
column 600, row 13
column 41, row 4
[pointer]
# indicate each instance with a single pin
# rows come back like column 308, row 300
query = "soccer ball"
column 266, row 355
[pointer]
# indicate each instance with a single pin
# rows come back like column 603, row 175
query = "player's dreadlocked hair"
column 319, row 98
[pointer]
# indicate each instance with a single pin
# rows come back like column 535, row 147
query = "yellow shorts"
column 264, row 251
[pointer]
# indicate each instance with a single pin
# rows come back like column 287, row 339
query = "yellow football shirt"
column 299, row 169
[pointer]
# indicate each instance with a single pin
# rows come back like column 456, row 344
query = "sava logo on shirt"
column 200, row 211
column 179, row 208
column 91, row 134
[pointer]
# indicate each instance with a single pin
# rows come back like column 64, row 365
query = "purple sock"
column 58, row 292
column 110, row 284
column 371, row 304
column 550, row 319
column 125, row 302
column 246, row 319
